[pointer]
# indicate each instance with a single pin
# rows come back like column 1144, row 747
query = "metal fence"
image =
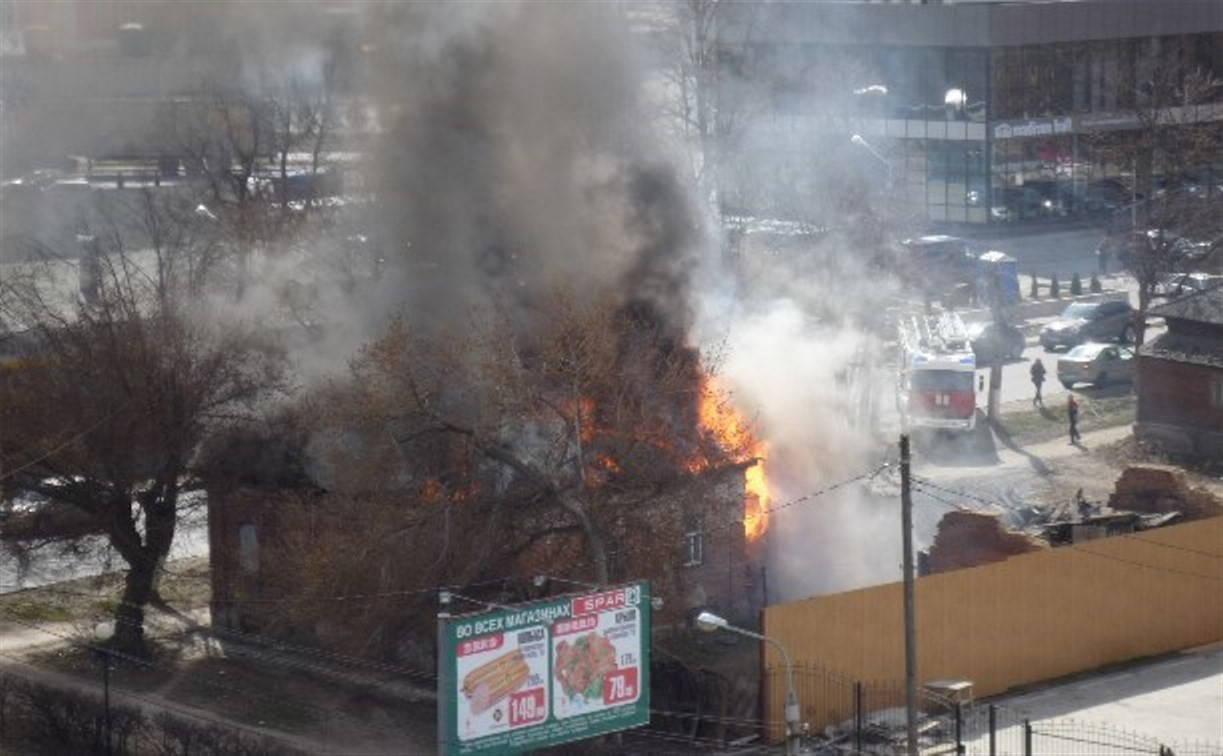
column 843, row 716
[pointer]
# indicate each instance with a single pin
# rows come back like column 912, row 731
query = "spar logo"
column 606, row 601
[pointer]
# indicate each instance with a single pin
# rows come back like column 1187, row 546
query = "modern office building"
column 993, row 112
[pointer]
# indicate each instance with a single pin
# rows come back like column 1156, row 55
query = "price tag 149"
column 527, row 707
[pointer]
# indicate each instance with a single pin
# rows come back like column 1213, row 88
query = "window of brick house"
column 248, row 549
column 694, row 546
column 1216, row 393
column 615, row 561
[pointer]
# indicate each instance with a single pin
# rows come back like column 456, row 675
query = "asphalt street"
column 1061, row 251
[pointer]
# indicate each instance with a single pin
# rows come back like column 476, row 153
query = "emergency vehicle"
column 935, row 388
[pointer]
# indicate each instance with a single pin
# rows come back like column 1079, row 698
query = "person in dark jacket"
column 1072, row 413
column 1038, row 379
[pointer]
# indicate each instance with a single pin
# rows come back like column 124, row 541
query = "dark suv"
column 1089, row 321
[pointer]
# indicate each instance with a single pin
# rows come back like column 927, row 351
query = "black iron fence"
column 843, row 716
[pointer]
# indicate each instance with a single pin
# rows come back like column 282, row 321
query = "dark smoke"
column 518, row 159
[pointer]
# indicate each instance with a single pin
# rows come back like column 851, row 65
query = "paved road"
column 1062, row 251
column 1017, row 382
column 1176, row 700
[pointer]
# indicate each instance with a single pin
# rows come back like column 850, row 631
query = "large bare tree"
column 1171, row 143
column 124, row 379
column 561, row 441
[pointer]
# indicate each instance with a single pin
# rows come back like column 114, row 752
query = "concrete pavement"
column 1176, row 700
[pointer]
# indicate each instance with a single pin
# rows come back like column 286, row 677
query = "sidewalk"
column 311, row 701
column 152, row 705
column 1175, row 699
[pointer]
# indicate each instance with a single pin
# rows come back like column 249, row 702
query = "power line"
column 927, row 483
column 1145, row 565
column 826, row 490
column 71, row 440
column 1172, row 546
column 953, row 504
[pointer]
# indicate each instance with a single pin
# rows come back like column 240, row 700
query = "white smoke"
column 807, row 384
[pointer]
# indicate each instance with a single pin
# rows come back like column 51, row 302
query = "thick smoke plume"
column 512, row 154
column 516, row 161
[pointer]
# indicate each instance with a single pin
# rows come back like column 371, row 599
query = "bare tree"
column 708, row 67
column 1168, row 145
column 546, row 443
column 256, row 157
column 107, row 414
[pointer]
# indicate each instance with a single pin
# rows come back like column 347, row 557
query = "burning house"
column 305, row 546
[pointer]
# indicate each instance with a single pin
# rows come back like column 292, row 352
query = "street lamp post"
column 870, row 148
column 710, row 622
column 102, row 633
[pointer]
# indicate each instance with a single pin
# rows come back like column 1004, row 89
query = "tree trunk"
column 129, row 616
column 144, row 557
column 598, row 552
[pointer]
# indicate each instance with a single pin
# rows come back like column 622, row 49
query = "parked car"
column 991, row 340
column 1187, row 283
column 937, row 264
column 1097, row 364
column 1089, row 321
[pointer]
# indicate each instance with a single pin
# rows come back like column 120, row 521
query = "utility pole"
column 906, row 523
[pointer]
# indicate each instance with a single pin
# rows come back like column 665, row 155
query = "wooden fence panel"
column 1030, row 618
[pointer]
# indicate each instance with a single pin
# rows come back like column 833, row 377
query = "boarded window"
column 248, row 549
column 616, row 567
column 694, row 548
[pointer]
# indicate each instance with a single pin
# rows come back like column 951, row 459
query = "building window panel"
column 248, row 549
column 694, row 547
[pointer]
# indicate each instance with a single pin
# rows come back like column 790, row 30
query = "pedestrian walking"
column 1038, row 379
column 1072, row 412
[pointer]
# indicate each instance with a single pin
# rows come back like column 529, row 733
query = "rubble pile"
column 967, row 539
column 1160, row 489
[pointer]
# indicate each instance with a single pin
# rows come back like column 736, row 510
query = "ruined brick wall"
column 969, row 539
column 1155, row 489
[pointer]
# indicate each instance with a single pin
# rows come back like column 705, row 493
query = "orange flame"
column 734, row 434
column 431, row 491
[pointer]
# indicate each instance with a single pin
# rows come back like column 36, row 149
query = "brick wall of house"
column 726, row 578
column 1178, row 393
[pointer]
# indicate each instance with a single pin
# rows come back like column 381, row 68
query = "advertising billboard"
column 545, row 673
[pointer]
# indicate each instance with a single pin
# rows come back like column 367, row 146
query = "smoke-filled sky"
column 517, row 153
column 519, row 158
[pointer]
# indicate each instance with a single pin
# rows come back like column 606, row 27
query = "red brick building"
column 272, row 500
column 1180, row 378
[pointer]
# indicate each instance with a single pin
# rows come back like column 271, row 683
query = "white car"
column 1097, row 364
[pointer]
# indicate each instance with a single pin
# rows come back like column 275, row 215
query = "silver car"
column 1089, row 321
column 1097, row 364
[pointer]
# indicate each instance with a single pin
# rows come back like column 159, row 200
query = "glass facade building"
column 1001, row 112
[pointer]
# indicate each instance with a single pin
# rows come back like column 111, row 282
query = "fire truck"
column 935, row 388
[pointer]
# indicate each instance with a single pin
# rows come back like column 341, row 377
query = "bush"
column 1055, row 289
column 42, row 718
column 1034, row 291
column 1076, row 285
column 1096, row 288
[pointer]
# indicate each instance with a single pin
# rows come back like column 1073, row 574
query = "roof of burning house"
column 259, row 458
column 1204, row 306
column 1186, row 348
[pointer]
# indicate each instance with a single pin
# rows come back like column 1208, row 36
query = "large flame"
column 733, row 433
